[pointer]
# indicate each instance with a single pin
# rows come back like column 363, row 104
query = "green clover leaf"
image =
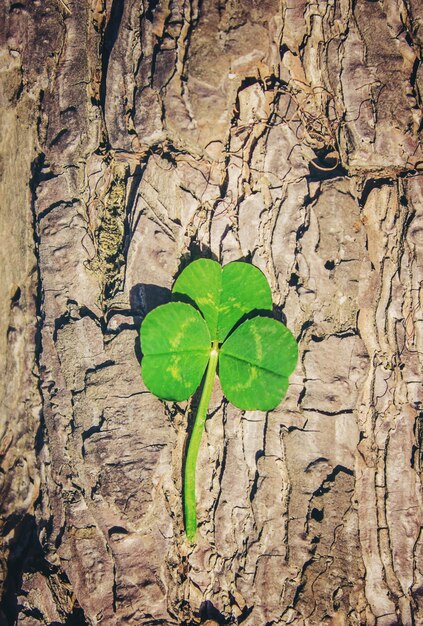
column 214, row 322
column 255, row 362
column 175, row 341
column 223, row 295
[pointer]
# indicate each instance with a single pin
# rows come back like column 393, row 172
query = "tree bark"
column 137, row 136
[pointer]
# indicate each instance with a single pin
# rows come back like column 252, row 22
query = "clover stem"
column 194, row 445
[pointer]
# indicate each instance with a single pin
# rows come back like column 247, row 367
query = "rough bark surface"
column 135, row 137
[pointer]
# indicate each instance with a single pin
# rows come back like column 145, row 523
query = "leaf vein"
column 253, row 364
column 192, row 350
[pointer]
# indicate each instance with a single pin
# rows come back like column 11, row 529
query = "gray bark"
column 135, row 137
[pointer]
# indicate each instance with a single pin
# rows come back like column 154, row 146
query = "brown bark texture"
column 137, row 135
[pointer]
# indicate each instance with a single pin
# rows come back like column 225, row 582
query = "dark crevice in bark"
column 84, row 311
column 130, row 203
column 373, row 183
column 330, row 478
column 37, row 176
column 60, row 323
column 76, row 618
column 26, row 557
column 301, row 231
column 53, row 206
column 294, row 280
column 254, row 487
column 323, row 168
column 110, row 36
column 417, row 451
column 24, row 541
column 208, row 611
column 196, row 250
column 330, row 413
column 304, row 327
column 302, row 585
column 92, row 431
column 413, row 81
column 152, row 5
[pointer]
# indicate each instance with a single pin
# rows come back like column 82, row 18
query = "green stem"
column 194, row 444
